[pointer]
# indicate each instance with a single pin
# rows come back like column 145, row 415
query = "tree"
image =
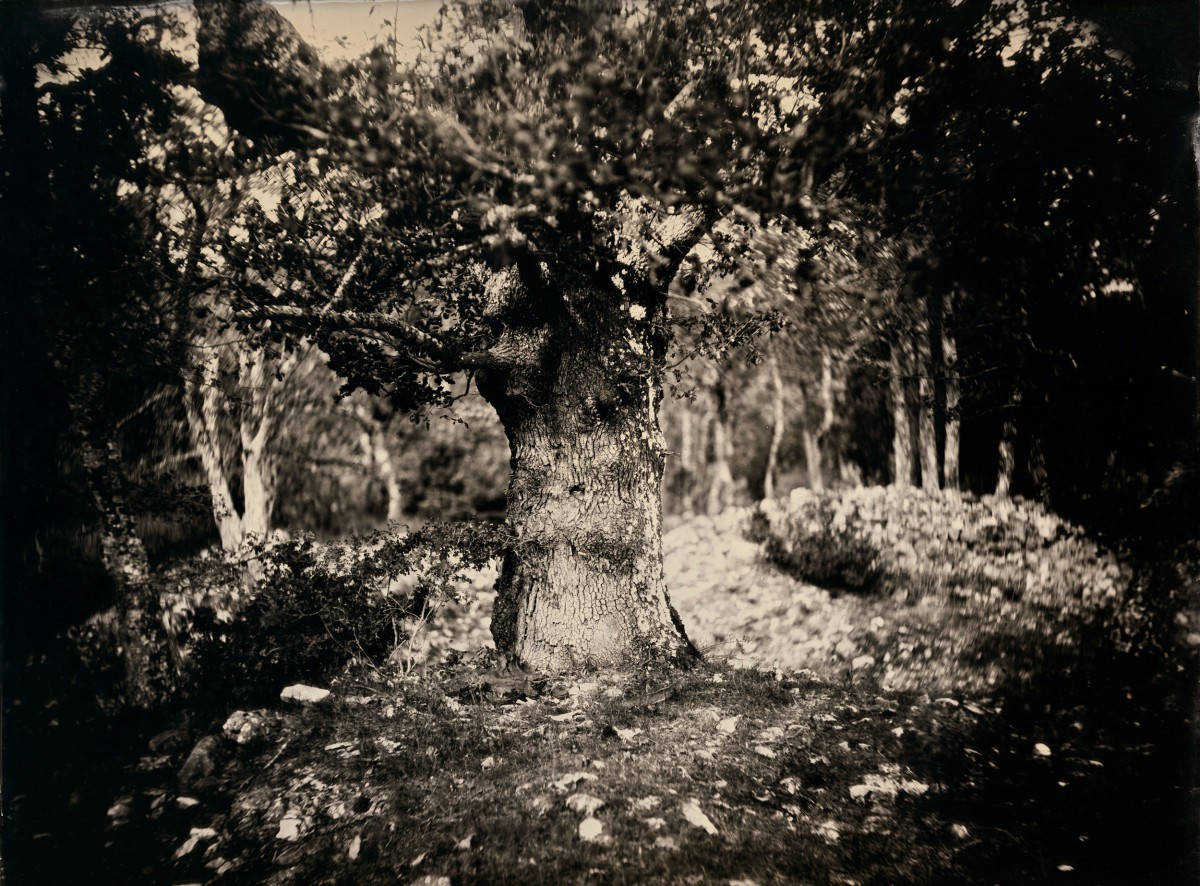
column 541, row 181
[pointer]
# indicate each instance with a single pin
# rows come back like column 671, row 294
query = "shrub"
column 818, row 548
column 318, row 607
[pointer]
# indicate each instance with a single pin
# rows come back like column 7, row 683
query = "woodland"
column 704, row 441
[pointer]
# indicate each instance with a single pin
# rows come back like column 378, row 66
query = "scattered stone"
column 729, row 725
column 488, row 763
column 862, row 661
column 563, row 718
column 355, row 847
column 960, row 831
column 791, row 784
column 201, row 762
column 695, row 815
column 706, row 755
column 195, row 837
column 764, row 751
column 186, row 802
column 1041, row 750
column 645, row 804
column 771, row 735
column 302, row 694
column 627, row 734
column 828, row 831
column 668, row 843
column 289, row 828
column 1193, row 639
column 464, row 845
column 431, row 880
column 541, row 804
column 244, row 727
column 584, row 803
column 590, row 830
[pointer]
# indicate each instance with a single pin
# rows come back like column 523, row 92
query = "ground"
column 1003, row 708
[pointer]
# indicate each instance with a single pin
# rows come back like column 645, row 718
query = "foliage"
column 320, row 607
column 819, row 547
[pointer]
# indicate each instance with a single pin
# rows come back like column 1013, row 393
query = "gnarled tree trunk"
column 581, row 583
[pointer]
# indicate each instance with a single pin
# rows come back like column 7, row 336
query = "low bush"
column 818, row 548
column 318, row 607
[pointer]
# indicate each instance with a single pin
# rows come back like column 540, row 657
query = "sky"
column 347, row 28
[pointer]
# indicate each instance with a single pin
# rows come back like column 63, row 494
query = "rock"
column 584, row 803
column 695, row 815
column 464, row 845
column 665, row 843
column 201, row 762
column 431, row 880
column 195, row 837
column 302, row 694
column 829, row 832
column 729, row 725
column 186, row 802
column 1041, row 750
column 244, row 726
column 289, row 828
column 645, row 804
column 488, row 763
column 590, row 830
column 959, row 831
column 764, row 751
column 862, row 661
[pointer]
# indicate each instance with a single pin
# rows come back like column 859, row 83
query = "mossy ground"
column 1051, row 749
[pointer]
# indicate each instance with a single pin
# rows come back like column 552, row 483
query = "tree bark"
column 777, row 428
column 720, row 475
column 926, row 397
column 1008, row 449
column 902, row 448
column 950, row 452
column 581, row 583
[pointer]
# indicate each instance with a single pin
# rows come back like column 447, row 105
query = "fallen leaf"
column 584, row 803
column 571, row 779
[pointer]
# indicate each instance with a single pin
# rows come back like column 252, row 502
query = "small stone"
column 627, row 734
column 590, row 830
column 464, row 845
column 764, row 751
column 862, row 661
column 302, row 694
column 488, row 763
column 289, row 828
column 960, row 831
column 858, row 791
column 195, row 837
column 571, row 779
column 706, row 755
column 695, row 815
column 656, row 824
column 186, row 802
column 1193, row 639
column 355, row 847
column 645, row 804
column 1041, row 750
column 728, row 725
column 666, row 843
column 829, row 832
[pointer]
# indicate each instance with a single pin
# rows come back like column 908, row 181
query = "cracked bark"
column 582, row 584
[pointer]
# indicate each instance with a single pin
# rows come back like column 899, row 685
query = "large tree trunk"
column 777, row 428
column 581, row 583
column 813, row 459
column 902, row 447
column 950, row 451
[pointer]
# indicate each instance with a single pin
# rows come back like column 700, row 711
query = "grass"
column 994, row 739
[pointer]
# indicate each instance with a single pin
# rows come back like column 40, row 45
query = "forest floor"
column 1021, row 716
